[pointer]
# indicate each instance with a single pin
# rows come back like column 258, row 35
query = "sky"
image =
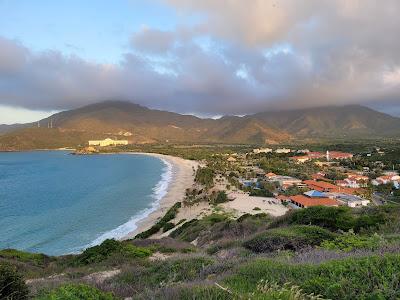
column 204, row 57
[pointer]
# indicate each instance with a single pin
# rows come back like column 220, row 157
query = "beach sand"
column 183, row 172
column 245, row 204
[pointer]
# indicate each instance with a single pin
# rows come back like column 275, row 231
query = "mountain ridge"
column 140, row 125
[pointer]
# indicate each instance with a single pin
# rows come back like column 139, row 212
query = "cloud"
column 240, row 57
column 153, row 40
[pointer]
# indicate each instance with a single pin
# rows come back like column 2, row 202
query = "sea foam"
column 159, row 192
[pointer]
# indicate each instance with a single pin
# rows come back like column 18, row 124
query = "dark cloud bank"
column 258, row 55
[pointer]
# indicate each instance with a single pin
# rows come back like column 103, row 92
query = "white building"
column 283, row 150
column 108, row 142
column 349, row 200
column 262, row 150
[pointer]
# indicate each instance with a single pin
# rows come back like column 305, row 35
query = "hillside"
column 336, row 253
column 141, row 125
column 345, row 121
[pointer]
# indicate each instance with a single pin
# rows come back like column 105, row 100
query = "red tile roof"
column 319, row 177
column 320, row 185
column 315, row 154
column 339, row 155
column 270, row 174
column 328, row 187
column 282, row 198
column 307, row 201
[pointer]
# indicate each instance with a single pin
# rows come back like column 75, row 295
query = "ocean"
column 56, row 203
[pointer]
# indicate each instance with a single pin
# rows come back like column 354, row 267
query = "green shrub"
column 350, row 241
column 170, row 215
column 185, row 226
column 12, row 285
column 100, row 252
column 263, row 217
column 76, row 292
column 135, row 252
column 344, row 218
column 205, row 176
column 108, row 248
column 221, row 197
column 34, row 258
column 168, row 226
column 332, row 218
column 374, row 277
column 288, row 238
column 190, row 230
column 261, row 193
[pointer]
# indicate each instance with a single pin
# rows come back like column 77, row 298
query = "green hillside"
column 314, row 253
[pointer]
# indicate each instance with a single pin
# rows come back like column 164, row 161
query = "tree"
column 205, row 176
column 221, row 197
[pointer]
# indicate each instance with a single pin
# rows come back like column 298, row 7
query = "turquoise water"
column 56, row 203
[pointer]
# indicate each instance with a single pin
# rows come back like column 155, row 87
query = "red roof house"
column 304, row 201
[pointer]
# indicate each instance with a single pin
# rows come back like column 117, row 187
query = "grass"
column 252, row 257
column 21, row 256
column 75, row 292
column 374, row 277
column 163, row 273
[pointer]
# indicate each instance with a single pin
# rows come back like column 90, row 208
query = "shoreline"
column 182, row 177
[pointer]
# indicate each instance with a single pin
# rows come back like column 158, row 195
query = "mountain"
column 9, row 128
column 336, row 122
column 140, row 125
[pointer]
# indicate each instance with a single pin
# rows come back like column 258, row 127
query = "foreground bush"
column 288, row 238
column 12, row 286
column 350, row 241
column 76, row 292
column 332, row 218
column 344, row 218
column 375, row 277
column 109, row 247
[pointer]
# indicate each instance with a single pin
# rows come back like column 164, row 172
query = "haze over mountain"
column 139, row 124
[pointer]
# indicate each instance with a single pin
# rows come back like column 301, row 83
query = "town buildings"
column 328, row 156
column 284, row 181
column 385, row 179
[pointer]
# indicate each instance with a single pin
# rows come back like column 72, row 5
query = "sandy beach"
column 245, row 204
column 183, row 172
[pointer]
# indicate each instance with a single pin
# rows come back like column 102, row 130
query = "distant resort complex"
column 108, row 142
